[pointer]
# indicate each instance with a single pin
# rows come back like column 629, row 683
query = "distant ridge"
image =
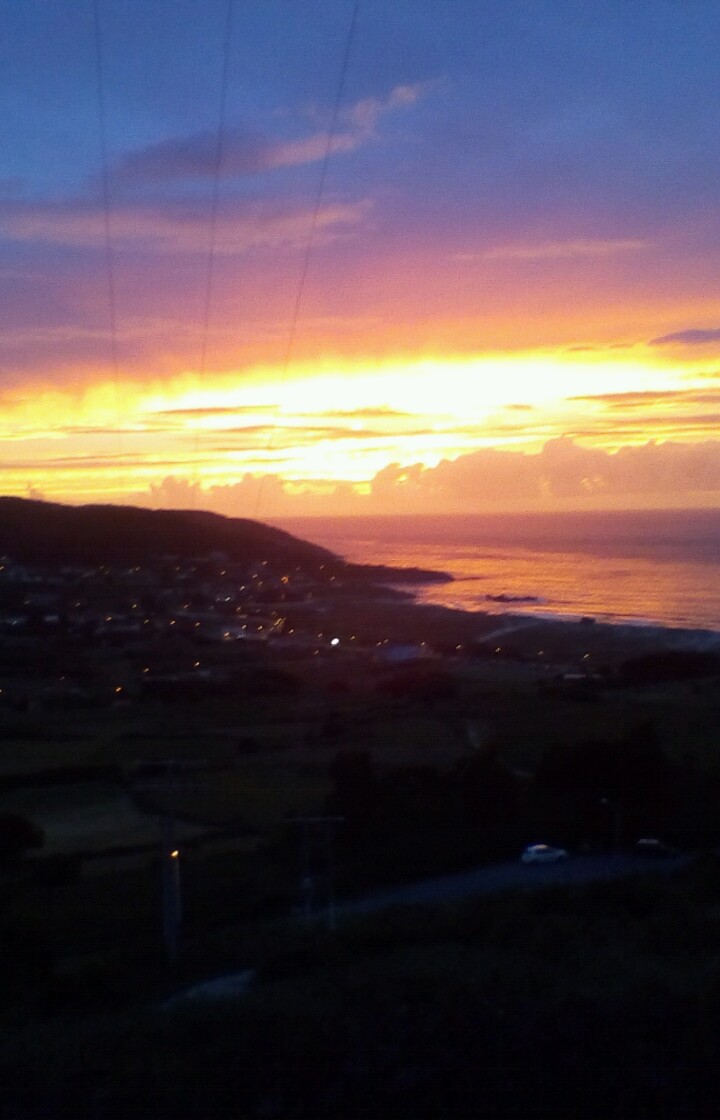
column 33, row 530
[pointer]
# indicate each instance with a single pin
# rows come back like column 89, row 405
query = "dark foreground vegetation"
column 599, row 1002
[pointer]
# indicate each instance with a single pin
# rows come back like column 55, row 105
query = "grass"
column 98, row 914
column 255, row 794
column 511, row 1004
column 289, row 773
column 79, row 817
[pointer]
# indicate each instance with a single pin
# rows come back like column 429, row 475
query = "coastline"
column 378, row 616
column 570, row 612
column 654, row 571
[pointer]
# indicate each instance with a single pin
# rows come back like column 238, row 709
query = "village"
column 127, row 632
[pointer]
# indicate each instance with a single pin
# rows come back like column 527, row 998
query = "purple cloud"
column 247, row 152
column 242, row 153
column 174, row 226
column 695, row 337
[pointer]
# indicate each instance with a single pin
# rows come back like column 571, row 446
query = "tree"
column 634, row 767
column 356, row 788
column 631, row 777
column 491, row 794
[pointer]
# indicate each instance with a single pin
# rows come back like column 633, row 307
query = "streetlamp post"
column 318, row 864
column 171, row 892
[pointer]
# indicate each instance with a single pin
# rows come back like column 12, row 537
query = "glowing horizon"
column 320, row 429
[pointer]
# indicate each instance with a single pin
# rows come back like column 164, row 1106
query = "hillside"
column 36, row 531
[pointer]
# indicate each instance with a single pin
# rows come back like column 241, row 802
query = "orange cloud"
column 562, row 475
column 660, row 397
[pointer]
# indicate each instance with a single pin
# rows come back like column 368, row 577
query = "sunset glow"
column 480, row 282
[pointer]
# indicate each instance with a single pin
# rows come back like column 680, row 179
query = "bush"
column 60, row 869
column 26, row 962
column 17, row 836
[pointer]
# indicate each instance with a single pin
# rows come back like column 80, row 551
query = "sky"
column 282, row 258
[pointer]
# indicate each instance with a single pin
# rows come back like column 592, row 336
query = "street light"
column 171, row 893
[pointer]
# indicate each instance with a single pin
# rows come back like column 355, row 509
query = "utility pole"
column 171, row 891
column 318, row 866
column 170, row 864
column 167, row 777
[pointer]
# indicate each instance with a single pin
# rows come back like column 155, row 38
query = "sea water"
column 648, row 567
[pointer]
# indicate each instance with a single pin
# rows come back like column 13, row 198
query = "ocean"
column 644, row 568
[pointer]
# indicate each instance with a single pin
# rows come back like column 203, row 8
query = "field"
column 268, row 760
column 249, row 762
column 417, row 1012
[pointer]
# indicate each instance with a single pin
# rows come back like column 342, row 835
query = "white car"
column 542, row 853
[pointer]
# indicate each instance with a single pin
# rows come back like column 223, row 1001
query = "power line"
column 214, row 205
column 309, row 245
column 105, row 190
column 321, row 186
column 217, row 167
column 214, row 208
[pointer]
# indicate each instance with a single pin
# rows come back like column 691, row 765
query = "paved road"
column 490, row 879
column 512, row 875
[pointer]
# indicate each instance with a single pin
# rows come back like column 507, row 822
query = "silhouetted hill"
column 47, row 531
column 36, row 530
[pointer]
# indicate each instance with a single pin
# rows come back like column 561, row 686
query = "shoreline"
column 386, row 617
column 656, row 572
column 520, row 606
column 650, row 627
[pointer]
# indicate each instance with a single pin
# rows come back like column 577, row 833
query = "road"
column 510, row 628
column 491, row 879
column 511, row 875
